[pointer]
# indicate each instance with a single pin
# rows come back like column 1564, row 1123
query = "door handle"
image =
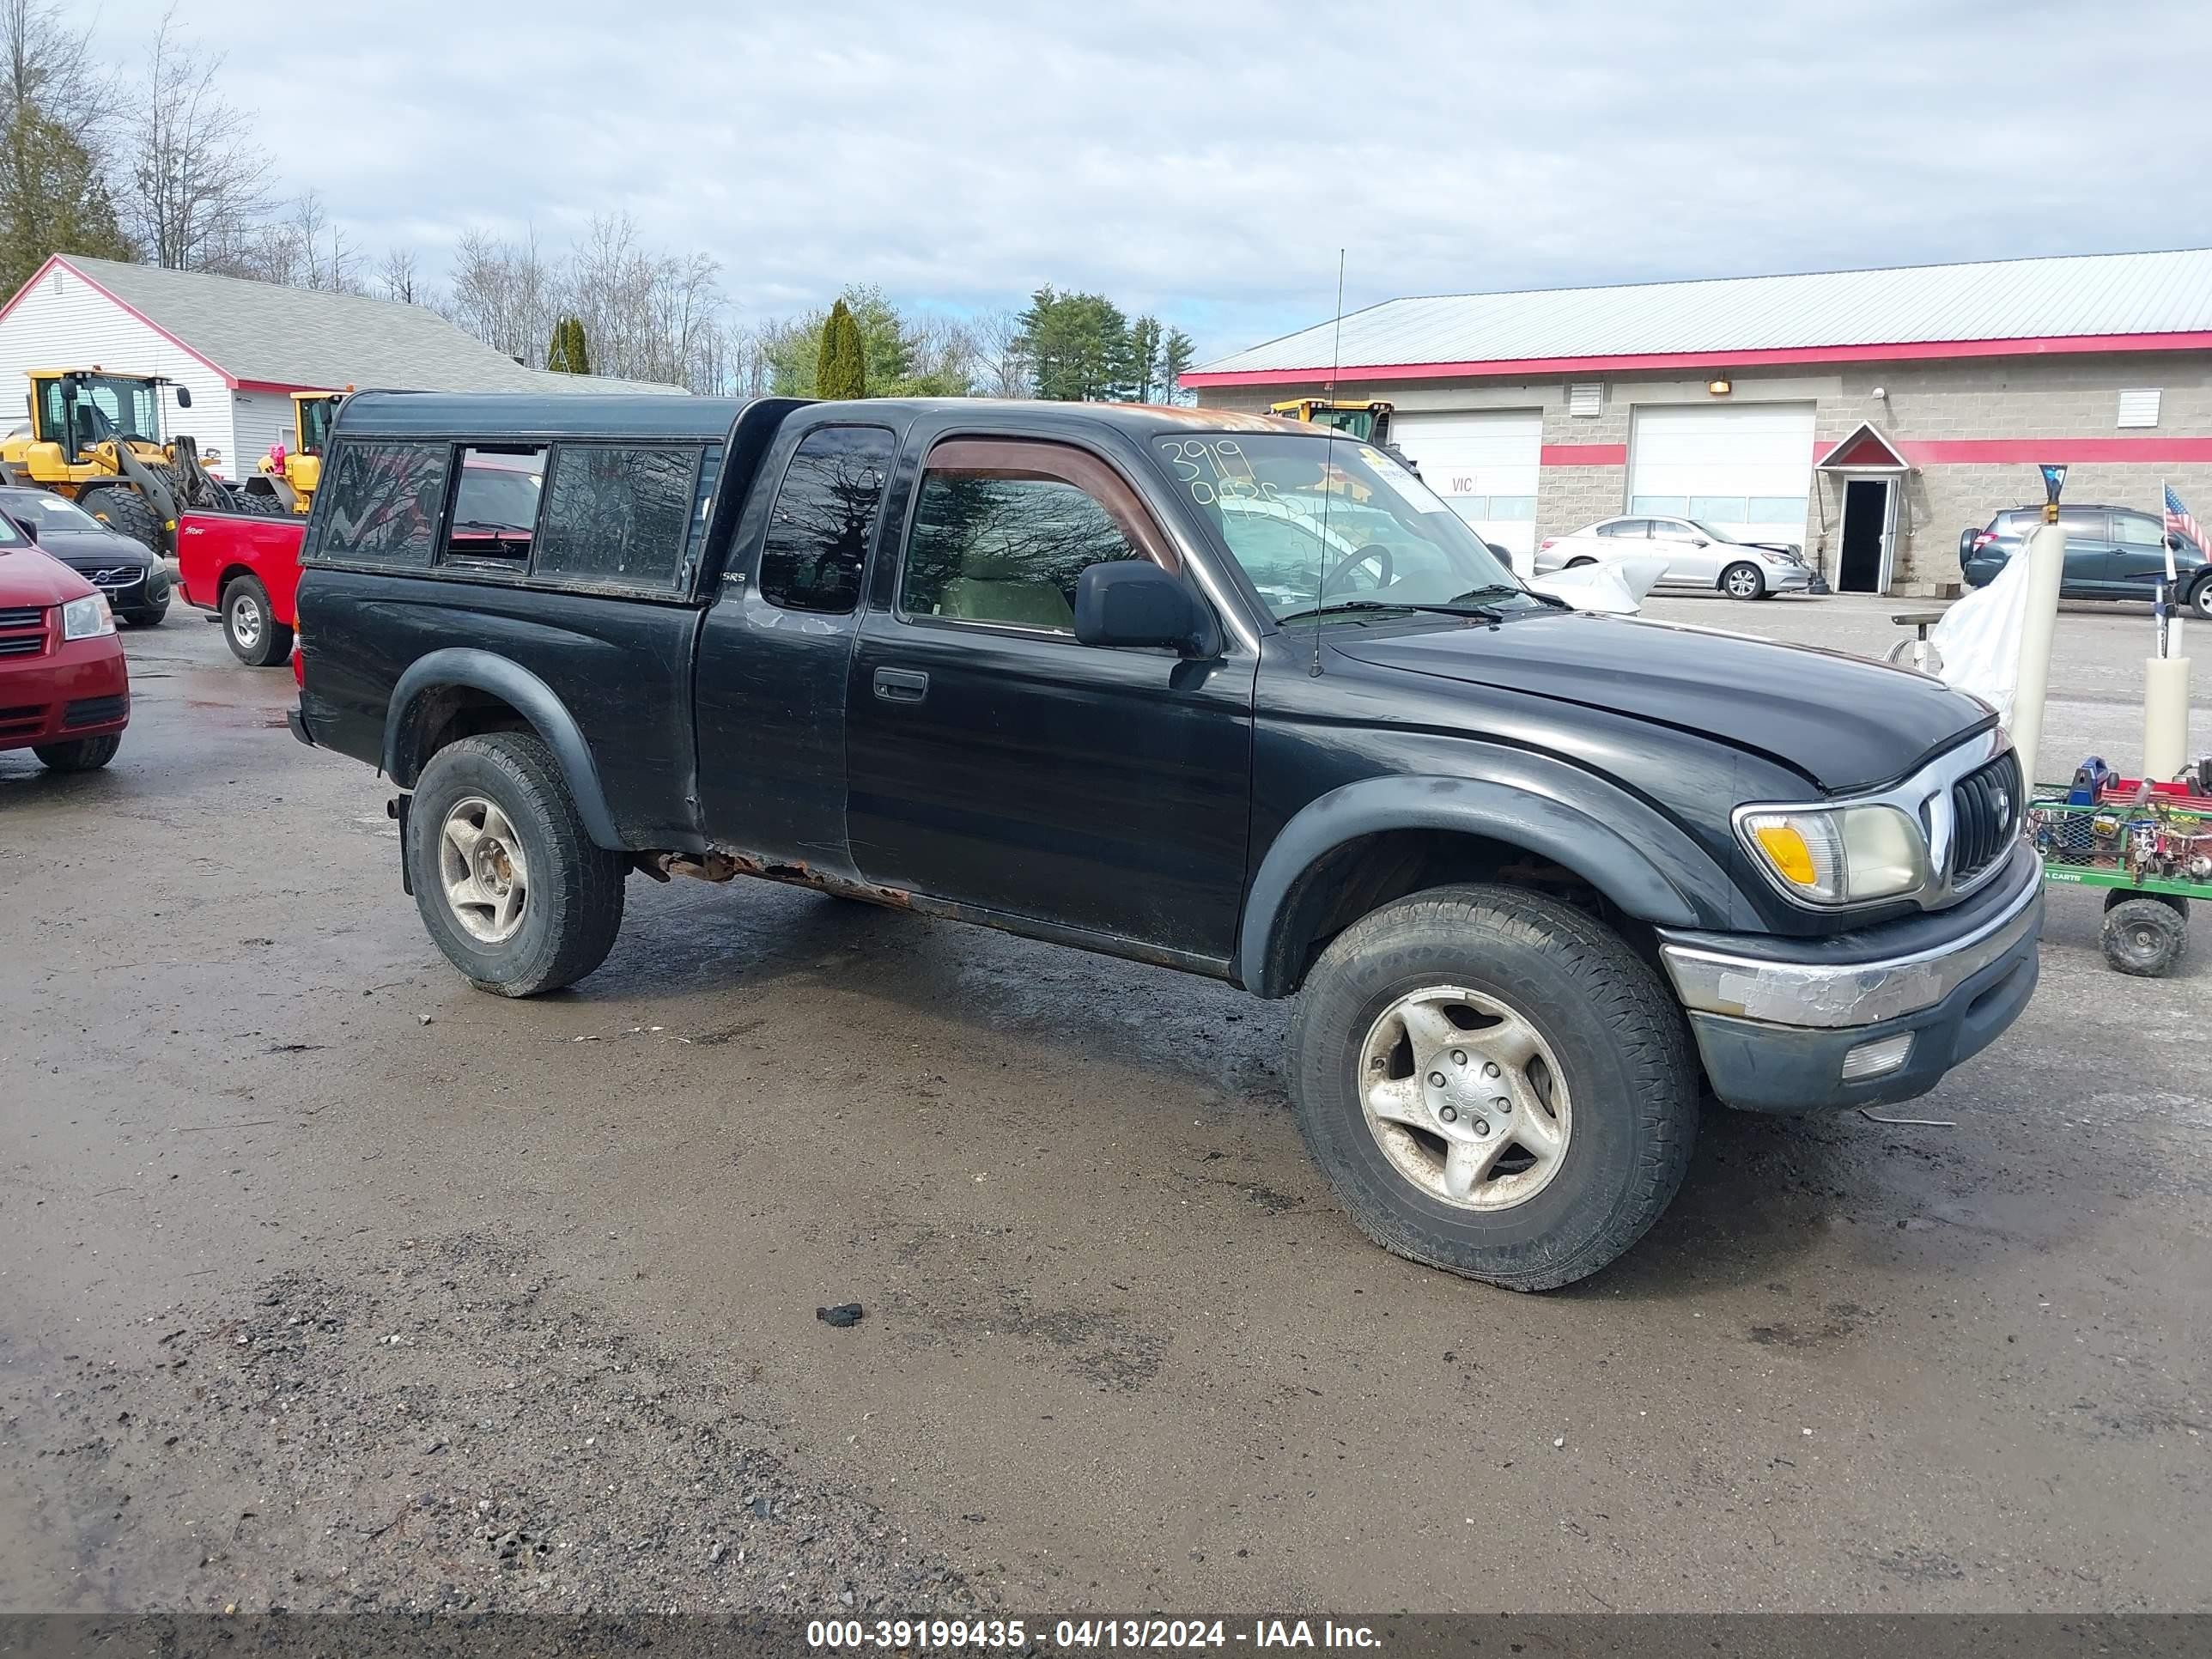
column 902, row 684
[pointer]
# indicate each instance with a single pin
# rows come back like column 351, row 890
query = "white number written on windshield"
column 1216, row 469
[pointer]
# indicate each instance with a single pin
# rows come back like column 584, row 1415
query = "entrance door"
column 1864, row 566
column 996, row 762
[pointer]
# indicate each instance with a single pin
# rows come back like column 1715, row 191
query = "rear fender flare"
column 536, row 702
column 1640, row 860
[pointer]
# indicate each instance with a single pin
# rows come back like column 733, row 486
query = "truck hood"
column 1843, row 722
column 29, row 577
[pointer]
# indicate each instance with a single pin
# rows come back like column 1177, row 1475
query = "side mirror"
column 2174, row 542
column 27, row 525
column 183, row 397
column 1700, row 541
column 1133, row 602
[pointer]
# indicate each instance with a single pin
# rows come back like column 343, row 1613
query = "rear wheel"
column 2200, row 597
column 1743, row 581
column 508, row 884
column 123, row 509
column 256, row 637
column 1494, row 1085
column 80, row 754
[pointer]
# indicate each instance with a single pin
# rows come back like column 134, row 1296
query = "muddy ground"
column 330, row 1282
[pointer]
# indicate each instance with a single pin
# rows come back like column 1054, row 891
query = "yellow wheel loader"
column 95, row 437
column 1369, row 423
column 284, row 479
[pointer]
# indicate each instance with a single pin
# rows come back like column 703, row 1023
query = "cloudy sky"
column 1204, row 159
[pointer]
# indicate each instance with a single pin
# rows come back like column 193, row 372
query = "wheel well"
column 1363, row 875
column 231, row 574
column 445, row 715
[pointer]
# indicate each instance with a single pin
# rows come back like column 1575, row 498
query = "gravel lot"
column 334, row 1284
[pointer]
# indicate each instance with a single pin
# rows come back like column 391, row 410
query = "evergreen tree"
column 52, row 198
column 841, row 370
column 1176, row 351
column 1081, row 345
column 569, row 354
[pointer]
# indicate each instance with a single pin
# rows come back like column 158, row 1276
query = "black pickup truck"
column 1217, row 692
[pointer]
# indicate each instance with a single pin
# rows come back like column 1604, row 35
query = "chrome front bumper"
column 1831, row 995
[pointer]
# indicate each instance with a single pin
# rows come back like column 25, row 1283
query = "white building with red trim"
column 243, row 347
column 1869, row 414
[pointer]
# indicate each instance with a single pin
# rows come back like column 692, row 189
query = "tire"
column 79, row 754
column 256, row 637
column 571, row 907
column 1609, row 1031
column 2145, row 938
column 121, row 507
column 2200, row 597
column 268, row 507
column 1743, row 580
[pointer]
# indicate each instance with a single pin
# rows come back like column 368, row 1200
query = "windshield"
column 51, row 512
column 497, row 496
column 1317, row 525
column 1700, row 525
column 315, row 423
column 93, row 409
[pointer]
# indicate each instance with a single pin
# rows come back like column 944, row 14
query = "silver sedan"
column 1697, row 555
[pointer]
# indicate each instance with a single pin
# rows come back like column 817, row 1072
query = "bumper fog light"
column 1877, row 1059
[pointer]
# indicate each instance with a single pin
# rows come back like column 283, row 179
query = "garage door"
column 1745, row 468
column 1485, row 465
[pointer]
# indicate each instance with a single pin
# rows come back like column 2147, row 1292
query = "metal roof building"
column 243, row 347
column 1730, row 399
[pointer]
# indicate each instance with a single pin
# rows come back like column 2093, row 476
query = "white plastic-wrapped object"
column 1978, row 638
column 1613, row 586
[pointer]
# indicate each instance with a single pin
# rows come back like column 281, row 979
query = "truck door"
column 996, row 762
column 777, row 648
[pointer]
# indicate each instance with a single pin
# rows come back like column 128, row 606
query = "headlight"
column 1839, row 855
column 86, row 618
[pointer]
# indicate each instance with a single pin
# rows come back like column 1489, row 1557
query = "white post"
column 2046, row 562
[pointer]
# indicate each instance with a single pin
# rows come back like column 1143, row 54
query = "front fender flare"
column 1639, row 860
column 483, row 671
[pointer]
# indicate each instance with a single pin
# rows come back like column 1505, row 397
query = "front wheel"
column 1742, row 581
column 79, row 754
column 508, row 883
column 2200, row 597
column 256, row 637
column 1494, row 1084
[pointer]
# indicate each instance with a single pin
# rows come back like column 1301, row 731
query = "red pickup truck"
column 245, row 568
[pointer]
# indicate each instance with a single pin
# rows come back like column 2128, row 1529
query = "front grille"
column 21, row 616
column 120, row 576
column 22, row 645
column 95, row 711
column 22, row 721
column 1985, row 811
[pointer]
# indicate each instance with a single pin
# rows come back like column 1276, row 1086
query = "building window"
column 2139, row 406
column 1585, row 402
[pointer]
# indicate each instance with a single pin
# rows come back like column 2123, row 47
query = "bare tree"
column 505, row 294
column 396, row 276
column 201, row 182
column 1004, row 367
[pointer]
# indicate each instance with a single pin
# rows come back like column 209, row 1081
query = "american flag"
column 2178, row 522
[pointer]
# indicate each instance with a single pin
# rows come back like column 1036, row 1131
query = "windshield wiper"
column 1337, row 606
column 1502, row 590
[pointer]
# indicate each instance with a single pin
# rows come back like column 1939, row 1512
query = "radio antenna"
column 1328, row 469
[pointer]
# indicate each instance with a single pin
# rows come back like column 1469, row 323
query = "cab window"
column 824, row 520
column 1003, row 529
